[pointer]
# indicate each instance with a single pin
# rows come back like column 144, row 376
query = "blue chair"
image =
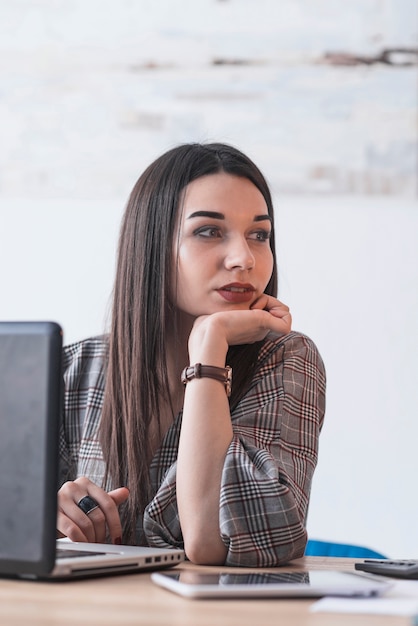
column 327, row 548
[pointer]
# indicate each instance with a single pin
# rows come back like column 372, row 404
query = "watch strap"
column 223, row 374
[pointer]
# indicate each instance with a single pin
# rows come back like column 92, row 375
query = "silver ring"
column 87, row 505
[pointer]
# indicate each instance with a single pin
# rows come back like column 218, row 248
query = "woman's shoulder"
column 86, row 355
column 293, row 345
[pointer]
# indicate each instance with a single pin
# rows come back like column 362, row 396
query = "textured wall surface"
column 320, row 92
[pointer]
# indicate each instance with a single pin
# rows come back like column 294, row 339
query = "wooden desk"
column 134, row 599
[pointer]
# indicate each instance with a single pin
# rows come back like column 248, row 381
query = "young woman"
column 158, row 445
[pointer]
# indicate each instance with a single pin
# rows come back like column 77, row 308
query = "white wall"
column 57, row 261
column 350, row 274
column 91, row 91
column 349, row 271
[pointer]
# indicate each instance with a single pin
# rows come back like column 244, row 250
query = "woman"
column 149, row 424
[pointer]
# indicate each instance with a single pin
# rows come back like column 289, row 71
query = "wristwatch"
column 223, row 374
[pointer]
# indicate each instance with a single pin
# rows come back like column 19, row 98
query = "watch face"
column 228, row 384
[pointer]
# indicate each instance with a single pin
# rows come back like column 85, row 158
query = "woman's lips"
column 237, row 293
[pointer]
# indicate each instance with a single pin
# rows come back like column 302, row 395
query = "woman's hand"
column 73, row 523
column 267, row 316
column 282, row 324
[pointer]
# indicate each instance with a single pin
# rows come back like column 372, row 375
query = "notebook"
column 30, row 408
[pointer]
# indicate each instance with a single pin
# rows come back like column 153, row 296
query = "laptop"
column 30, row 409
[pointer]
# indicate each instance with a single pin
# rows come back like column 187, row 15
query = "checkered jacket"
column 268, row 468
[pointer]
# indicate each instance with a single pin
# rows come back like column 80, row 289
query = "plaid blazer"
column 268, row 468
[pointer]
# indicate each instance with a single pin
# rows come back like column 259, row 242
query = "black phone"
column 400, row 568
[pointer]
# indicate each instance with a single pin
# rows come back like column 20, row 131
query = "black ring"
column 87, row 504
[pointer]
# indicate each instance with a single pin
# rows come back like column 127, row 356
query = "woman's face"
column 222, row 249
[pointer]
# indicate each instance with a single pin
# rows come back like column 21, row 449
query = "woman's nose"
column 239, row 255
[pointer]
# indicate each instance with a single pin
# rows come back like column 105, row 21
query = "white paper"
column 401, row 599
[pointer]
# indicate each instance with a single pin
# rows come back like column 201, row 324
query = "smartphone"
column 402, row 568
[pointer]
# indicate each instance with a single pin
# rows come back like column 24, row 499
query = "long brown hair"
column 136, row 383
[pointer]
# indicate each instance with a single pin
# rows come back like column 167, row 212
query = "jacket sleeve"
column 80, row 452
column 269, row 465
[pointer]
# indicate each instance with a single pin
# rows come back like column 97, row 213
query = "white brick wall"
column 92, row 90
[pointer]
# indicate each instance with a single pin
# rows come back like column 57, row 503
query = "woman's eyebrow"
column 220, row 216
column 213, row 214
column 262, row 218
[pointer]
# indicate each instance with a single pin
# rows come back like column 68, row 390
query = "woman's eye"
column 260, row 235
column 208, row 231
